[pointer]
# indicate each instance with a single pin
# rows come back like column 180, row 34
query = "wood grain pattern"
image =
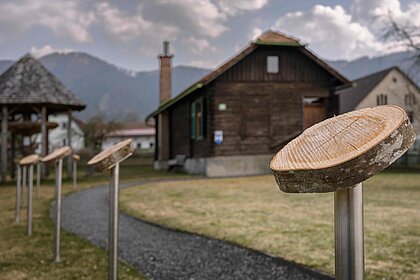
column 57, row 154
column 75, row 157
column 343, row 151
column 31, row 159
column 114, row 154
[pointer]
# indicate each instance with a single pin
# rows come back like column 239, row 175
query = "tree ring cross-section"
column 31, row 159
column 343, row 151
column 57, row 154
column 109, row 157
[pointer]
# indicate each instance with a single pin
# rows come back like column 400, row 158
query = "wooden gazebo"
column 28, row 94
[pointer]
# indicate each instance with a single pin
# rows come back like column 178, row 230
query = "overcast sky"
column 128, row 33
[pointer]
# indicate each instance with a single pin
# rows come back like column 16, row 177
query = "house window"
column 197, row 119
column 409, row 100
column 272, row 64
column 382, row 99
column 410, row 116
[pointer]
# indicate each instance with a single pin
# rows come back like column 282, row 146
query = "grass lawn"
column 23, row 257
column 251, row 211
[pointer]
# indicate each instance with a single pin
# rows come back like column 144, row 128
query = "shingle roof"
column 271, row 37
column 350, row 97
column 267, row 38
column 29, row 82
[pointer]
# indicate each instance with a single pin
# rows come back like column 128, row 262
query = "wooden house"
column 232, row 121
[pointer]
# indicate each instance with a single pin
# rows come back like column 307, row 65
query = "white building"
column 143, row 137
column 391, row 86
column 57, row 137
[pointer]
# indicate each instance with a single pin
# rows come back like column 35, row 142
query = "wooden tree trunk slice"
column 57, row 154
column 343, row 151
column 111, row 156
column 31, row 159
column 75, row 157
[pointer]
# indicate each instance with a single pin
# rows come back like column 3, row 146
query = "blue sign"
column 218, row 137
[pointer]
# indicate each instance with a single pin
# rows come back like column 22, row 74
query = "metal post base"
column 113, row 223
column 58, row 181
column 30, row 192
column 74, row 174
column 348, row 222
column 18, row 192
column 38, row 178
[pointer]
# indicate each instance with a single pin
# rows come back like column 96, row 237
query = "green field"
column 252, row 212
column 23, row 257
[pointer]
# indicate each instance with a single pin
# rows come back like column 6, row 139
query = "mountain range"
column 118, row 93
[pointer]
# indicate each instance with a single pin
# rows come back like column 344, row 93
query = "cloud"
column 255, row 32
column 134, row 28
column 63, row 18
column 233, row 7
column 375, row 13
column 335, row 33
column 331, row 31
column 127, row 27
column 201, row 17
column 168, row 18
column 47, row 49
column 198, row 46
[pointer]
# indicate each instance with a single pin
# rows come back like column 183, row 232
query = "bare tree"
column 96, row 128
column 406, row 35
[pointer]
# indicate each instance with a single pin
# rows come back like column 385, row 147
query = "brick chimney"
column 165, row 73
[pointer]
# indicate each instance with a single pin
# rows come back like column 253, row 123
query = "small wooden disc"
column 76, row 157
column 111, row 156
column 343, row 151
column 57, row 154
column 31, row 159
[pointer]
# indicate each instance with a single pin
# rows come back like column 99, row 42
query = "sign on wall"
column 218, row 137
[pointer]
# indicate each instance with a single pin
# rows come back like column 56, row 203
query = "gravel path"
column 162, row 253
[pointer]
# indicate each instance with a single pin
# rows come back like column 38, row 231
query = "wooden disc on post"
column 31, row 159
column 75, row 157
column 57, row 154
column 343, row 151
column 112, row 155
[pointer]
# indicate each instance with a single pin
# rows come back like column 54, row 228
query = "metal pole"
column 58, row 179
column 69, row 138
column 30, row 188
column 18, row 190
column 74, row 174
column 356, row 232
column 38, row 178
column 348, row 223
column 44, row 137
column 113, row 223
column 24, row 173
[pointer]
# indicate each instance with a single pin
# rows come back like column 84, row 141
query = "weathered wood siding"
column 262, row 111
column 265, row 109
column 294, row 66
column 180, row 129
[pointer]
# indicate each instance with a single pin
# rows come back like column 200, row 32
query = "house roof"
column 267, row 38
column 29, row 82
column 350, row 97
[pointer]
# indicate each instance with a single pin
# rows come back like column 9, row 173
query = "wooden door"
column 313, row 113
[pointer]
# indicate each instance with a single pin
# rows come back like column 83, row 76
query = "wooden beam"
column 4, row 134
